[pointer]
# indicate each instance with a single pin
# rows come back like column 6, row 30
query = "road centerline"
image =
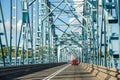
column 55, row 73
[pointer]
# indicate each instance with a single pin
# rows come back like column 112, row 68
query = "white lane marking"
column 55, row 73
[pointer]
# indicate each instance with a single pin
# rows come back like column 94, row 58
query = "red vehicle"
column 74, row 62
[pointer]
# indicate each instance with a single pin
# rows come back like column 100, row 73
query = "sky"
column 6, row 10
column 6, row 13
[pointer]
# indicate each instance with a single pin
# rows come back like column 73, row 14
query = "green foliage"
column 5, row 49
column 6, row 52
column 43, row 51
column 98, row 53
column 0, row 54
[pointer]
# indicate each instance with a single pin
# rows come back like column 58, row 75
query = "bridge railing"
column 103, row 73
column 16, row 71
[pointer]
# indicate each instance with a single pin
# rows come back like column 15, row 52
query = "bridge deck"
column 64, row 72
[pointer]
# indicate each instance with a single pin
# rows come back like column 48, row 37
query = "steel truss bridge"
column 49, row 31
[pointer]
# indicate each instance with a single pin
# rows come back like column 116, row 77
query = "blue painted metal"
column 119, row 26
column 41, row 20
column 10, row 53
column 3, row 34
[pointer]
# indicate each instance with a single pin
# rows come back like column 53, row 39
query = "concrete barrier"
column 8, row 73
column 103, row 73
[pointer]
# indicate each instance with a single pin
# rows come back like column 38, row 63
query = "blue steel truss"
column 53, row 30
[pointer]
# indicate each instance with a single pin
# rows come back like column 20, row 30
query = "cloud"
column 18, row 25
column 75, row 25
column 100, row 2
column 73, row 21
column 21, row 43
column 7, row 25
column 77, row 6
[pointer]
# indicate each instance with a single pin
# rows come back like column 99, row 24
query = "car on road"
column 74, row 62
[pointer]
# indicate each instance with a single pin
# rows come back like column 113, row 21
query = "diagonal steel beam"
column 53, row 10
column 31, row 2
column 71, row 38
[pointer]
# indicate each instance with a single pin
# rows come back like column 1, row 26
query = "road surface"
column 64, row 72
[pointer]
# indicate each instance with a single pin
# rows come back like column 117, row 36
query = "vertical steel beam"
column 6, row 40
column 105, row 39
column 42, row 37
column 49, row 32
column 10, row 54
column 119, row 27
column 101, row 41
column 98, row 32
column 38, row 31
column 32, row 32
column 3, row 57
column 16, row 54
